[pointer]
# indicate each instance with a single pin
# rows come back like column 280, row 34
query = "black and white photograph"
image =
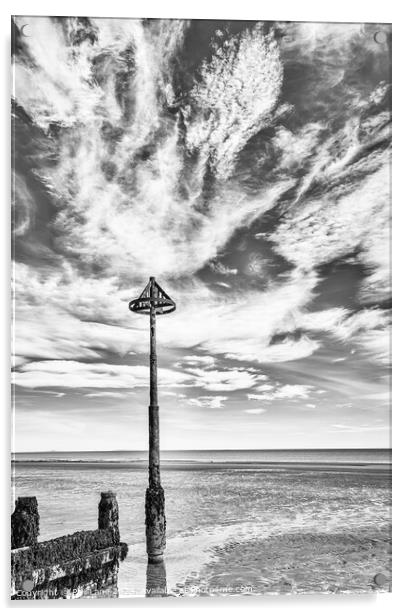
column 201, row 308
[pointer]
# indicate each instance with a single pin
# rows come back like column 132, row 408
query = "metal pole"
column 152, row 299
column 154, row 472
column 155, row 520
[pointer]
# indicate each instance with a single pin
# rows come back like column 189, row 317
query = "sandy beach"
column 301, row 563
column 226, row 563
column 293, row 523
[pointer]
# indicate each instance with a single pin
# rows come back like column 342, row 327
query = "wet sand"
column 209, row 564
column 300, row 563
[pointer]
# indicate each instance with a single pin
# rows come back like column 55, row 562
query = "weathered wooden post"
column 108, row 514
column 153, row 301
column 25, row 522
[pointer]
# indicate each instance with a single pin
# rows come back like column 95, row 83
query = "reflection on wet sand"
column 156, row 580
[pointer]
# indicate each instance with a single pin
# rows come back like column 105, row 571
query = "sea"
column 238, row 521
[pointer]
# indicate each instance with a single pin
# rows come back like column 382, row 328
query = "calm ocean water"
column 246, row 455
column 209, row 509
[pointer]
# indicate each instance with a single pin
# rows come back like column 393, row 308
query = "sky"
column 246, row 166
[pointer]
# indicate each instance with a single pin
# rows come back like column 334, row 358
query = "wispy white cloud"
column 60, row 317
column 256, row 264
column 67, row 310
column 241, row 328
column 342, row 202
column 196, row 360
column 108, row 394
column 118, row 222
column 219, row 268
column 360, row 322
column 257, row 411
column 336, row 224
column 377, row 344
column 16, row 361
column 296, row 148
column 383, row 396
column 212, row 402
column 352, row 428
column 59, row 86
column 369, row 329
column 225, row 380
column 237, row 91
column 74, row 374
column 24, row 205
column 57, row 394
column 283, row 392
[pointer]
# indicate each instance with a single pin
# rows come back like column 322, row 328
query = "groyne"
column 70, row 566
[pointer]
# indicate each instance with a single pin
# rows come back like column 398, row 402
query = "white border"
column 290, row 10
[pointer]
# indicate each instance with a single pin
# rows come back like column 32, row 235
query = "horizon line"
column 217, row 449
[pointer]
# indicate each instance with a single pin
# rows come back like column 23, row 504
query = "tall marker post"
column 154, row 301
